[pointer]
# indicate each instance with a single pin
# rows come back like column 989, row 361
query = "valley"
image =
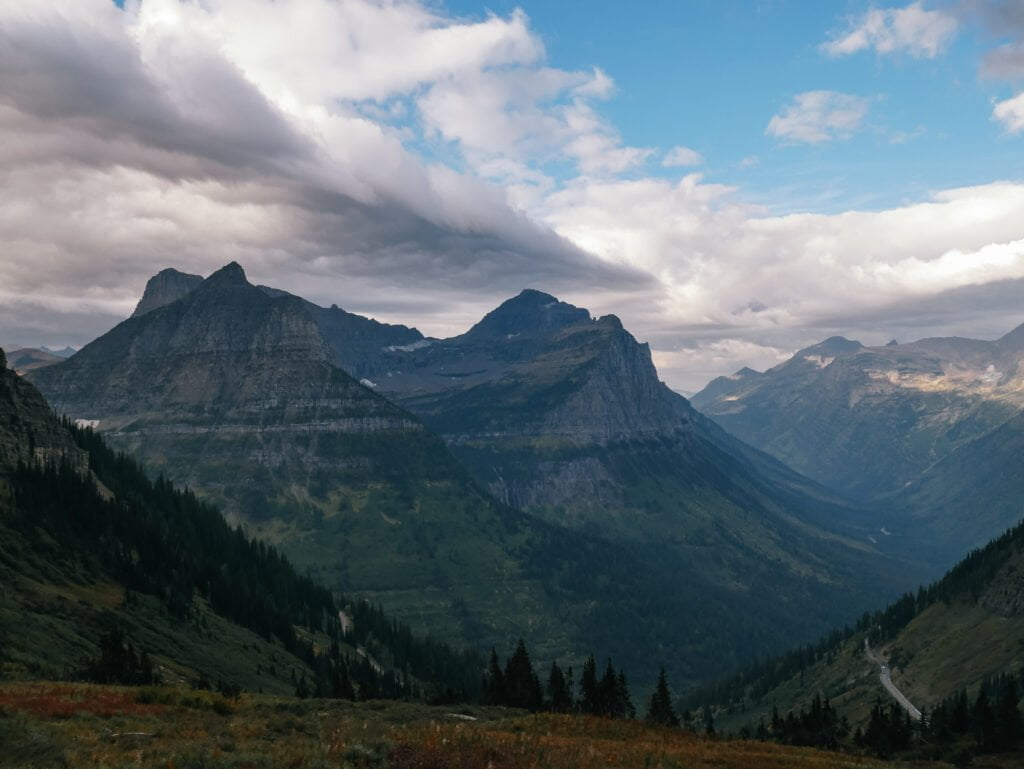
column 664, row 514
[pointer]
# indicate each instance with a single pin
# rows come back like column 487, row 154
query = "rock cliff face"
column 29, row 431
column 869, row 420
column 536, row 367
column 245, row 374
column 165, row 287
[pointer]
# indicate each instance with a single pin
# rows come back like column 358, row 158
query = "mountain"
column 868, row 421
column 99, row 564
column 967, row 495
column 23, row 359
column 356, row 341
column 961, row 634
column 564, row 416
column 28, row 430
column 165, row 287
column 236, row 391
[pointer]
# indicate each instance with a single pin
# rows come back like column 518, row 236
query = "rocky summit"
column 165, row 287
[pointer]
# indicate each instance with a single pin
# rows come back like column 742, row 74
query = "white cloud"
column 389, row 158
column 914, row 30
column 694, row 366
column 536, row 114
column 819, row 116
column 730, row 272
column 190, row 134
column 1010, row 113
column 680, row 157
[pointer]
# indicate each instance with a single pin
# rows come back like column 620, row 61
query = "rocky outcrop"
column 29, row 432
column 165, row 287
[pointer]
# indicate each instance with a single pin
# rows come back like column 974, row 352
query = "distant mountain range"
column 928, row 432
column 23, row 359
column 621, row 519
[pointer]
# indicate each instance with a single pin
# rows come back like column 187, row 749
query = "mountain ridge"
column 237, row 393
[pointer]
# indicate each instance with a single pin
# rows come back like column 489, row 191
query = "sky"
column 735, row 179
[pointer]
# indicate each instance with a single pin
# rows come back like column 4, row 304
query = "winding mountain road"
column 884, row 676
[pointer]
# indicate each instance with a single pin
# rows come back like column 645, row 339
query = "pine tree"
column 659, row 708
column 494, row 682
column 558, row 691
column 622, row 693
column 522, row 687
column 1007, row 717
column 589, row 696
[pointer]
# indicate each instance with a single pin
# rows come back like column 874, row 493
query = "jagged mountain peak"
column 231, row 273
column 834, row 345
column 168, row 285
column 531, row 312
column 1014, row 339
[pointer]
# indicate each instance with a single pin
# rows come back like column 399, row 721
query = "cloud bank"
column 421, row 168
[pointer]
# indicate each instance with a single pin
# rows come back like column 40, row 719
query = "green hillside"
column 91, row 549
column 959, row 639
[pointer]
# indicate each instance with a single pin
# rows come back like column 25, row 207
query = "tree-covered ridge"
column 971, row 580
column 161, row 541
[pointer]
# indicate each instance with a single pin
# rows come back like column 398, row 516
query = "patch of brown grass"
column 568, row 742
column 48, row 701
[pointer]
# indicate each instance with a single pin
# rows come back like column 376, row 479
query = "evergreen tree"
column 522, row 687
column 626, row 702
column 589, row 695
column 607, row 693
column 494, row 682
column 1008, row 716
column 560, row 699
column 659, row 708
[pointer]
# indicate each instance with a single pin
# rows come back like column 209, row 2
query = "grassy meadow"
column 78, row 725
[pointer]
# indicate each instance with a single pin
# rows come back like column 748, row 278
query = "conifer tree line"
column 516, row 684
column 164, row 542
column 820, row 726
column 965, row 581
column 989, row 722
column 957, row 728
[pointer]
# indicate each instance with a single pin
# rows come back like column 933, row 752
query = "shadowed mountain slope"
column 676, row 532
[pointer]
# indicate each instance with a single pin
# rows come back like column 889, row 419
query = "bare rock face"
column 165, row 287
column 229, row 372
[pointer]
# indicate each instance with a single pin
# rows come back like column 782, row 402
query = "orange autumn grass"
column 82, row 725
column 576, row 742
column 57, row 700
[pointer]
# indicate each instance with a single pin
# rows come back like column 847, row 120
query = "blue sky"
column 709, row 74
column 845, row 167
